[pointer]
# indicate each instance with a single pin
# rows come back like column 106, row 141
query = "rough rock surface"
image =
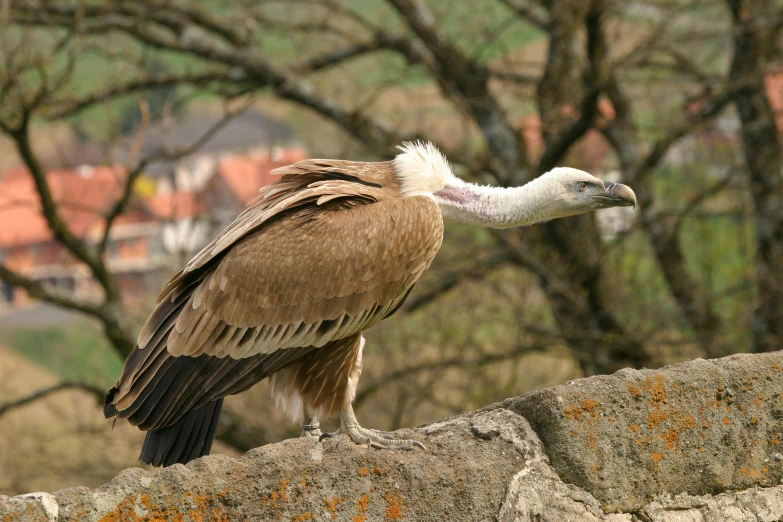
column 491, row 465
column 701, row 427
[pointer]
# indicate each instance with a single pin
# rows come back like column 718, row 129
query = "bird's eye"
column 582, row 186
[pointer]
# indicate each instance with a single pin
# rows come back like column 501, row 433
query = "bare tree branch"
column 38, row 291
column 624, row 137
column 466, row 82
column 9, row 406
column 524, row 10
column 258, row 69
column 451, row 279
column 53, row 219
column 121, row 204
column 61, row 108
column 440, row 365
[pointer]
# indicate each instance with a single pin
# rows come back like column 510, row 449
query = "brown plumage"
column 319, row 256
column 286, row 290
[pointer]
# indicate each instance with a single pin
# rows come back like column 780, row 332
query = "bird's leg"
column 378, row 439
column 311, row 428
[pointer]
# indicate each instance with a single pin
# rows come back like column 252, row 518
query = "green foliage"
column 77, row 351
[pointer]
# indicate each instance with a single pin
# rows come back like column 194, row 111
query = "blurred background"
column 132, row 131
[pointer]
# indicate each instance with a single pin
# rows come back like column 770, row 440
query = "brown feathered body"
column 285, row 291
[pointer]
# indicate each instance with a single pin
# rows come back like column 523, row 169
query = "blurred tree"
column 159, row 99
column 757, row 28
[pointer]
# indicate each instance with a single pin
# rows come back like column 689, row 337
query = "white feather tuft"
column 356, row 372
column 286, row 397
column 422, row 169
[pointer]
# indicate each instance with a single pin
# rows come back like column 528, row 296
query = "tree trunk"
column 574, row 248
column 755, row 36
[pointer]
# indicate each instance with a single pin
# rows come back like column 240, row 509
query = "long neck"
column 496, row 207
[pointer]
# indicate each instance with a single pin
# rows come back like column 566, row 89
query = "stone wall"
column 698, row 441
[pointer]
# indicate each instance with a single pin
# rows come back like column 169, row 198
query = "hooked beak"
column 617, row 195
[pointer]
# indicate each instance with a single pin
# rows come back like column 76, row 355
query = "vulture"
column 286, row 291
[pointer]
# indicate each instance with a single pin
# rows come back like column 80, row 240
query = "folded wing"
column 322, row 254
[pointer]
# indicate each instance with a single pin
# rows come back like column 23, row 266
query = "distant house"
column 27, row 244
column 249, row 133
column 162, row 227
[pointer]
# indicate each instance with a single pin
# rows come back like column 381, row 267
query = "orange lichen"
column 634, row 428
column 671, row 438
column 634, row 390
column 655, row 389
column 205, row 508
column 362, row 504
column 207, row 512
column 125, row 511
column 275, row 496
column 332, row 505
column 587, row 406
column 655, row 417
column 395, row 508
column 745, row 470
column 303, row 517
column 726, row 421
column 363, row 471
column 656, row 458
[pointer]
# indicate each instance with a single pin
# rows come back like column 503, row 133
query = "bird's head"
column 422, row 170
column 574, row 191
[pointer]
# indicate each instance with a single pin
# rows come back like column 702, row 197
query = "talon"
column 372, row 438
column 327, row 435
column 417, row 444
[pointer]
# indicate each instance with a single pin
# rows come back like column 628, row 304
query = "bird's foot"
column 311, row 430
column 373, row 438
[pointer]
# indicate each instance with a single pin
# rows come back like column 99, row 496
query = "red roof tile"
column 82, row 195
column 175, row 205
column 85, row 194
column 244, row 175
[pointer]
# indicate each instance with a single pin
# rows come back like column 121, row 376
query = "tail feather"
column 187, row 439
column 109, row 409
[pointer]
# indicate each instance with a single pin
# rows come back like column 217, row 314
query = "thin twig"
column 97, row 392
